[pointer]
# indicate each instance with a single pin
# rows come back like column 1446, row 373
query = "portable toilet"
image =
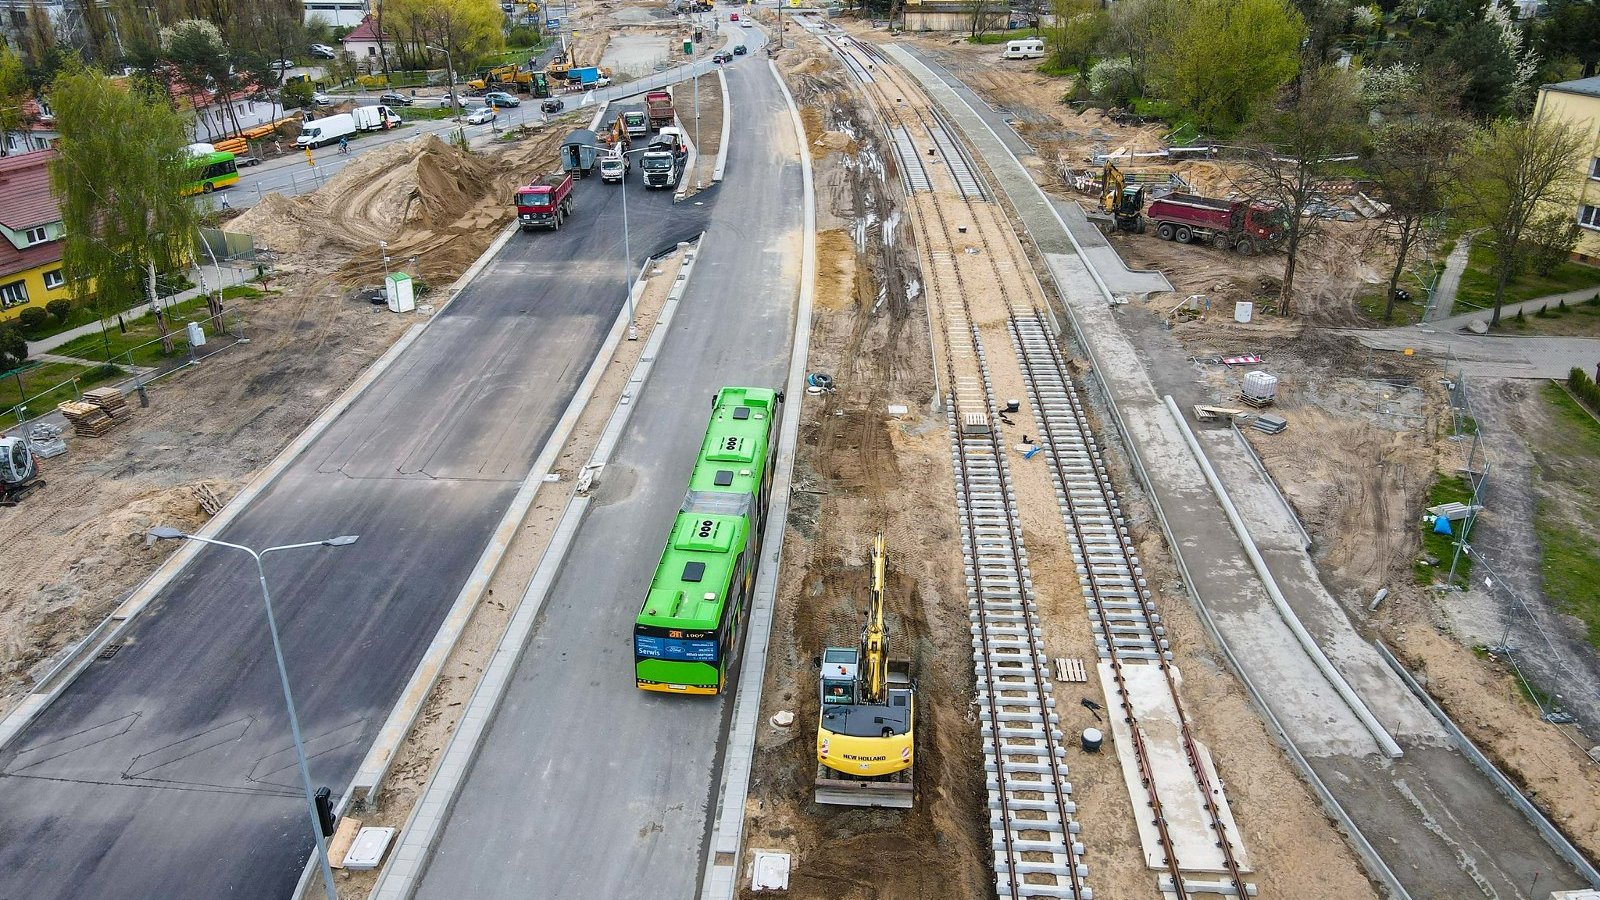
column 397, row 290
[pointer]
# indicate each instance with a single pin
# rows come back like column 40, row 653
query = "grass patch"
column 1477, row 282
column 240, row 292
column 1569, row 566
column 1371, row 301
column 1442, row 547
column 1001, row 37
column 1577, row 319
column 140, row 338
column 46, row 384
column 518, row 55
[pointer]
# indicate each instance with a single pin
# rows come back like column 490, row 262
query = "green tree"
column 469, row 29
column 1135, row 30
column 1511, row 173
column 195, row 50
column 1218, row 60
column 1299, row 145
column 1076, row 29
column 14, row 93
column 1413, row 163
column 13, row 347
column 119, row 177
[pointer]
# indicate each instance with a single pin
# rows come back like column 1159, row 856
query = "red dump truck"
column 658, row 106
column 1235, row 224
column 545, row 203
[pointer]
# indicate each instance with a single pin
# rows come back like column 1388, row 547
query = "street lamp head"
column 343, row 540
column 165, row 533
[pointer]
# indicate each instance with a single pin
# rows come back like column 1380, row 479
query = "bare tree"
column 1302, row 145
column 980, row 16
column 1413, row 163
column 1511, row 173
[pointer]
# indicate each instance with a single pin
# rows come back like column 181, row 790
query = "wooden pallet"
column 1070, row 670
column 87, row 419
column 110, row 400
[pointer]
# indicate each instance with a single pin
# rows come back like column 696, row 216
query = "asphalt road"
column 586, row 786
column 165, row 771
column 291, row 175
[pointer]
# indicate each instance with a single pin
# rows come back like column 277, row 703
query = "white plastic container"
column 397, row 290
column 1243, row 310
column 1260, row 386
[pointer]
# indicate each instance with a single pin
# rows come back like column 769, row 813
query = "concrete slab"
column 1188, row 825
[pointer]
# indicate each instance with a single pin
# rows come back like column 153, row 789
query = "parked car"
column 246, row 161
column 553, row 105
column 281, row 65
column 321, row 99
column 394, row 99
column 740, row 50
column 501, row 99
column 483, row 115
column 322, row 51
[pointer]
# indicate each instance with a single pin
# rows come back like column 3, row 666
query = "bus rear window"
column 675, row 649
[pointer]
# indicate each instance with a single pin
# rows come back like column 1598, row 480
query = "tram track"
column 1006, row 631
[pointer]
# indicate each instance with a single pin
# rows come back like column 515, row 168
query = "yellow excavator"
column 1121, row 199
column 866, row 728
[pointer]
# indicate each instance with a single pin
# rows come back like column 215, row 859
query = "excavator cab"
column 1122, row 201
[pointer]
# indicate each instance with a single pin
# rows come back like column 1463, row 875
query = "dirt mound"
column 417, row 196
column 54, row 592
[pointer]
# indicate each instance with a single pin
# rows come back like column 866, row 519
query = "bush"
column 522, row 36
column 371, row 82
column 33, row 318
column 1584, row 388
column 1112, row 80
column 1548, row 242
column 13, row 348
column 295, row 95
column 59, row 309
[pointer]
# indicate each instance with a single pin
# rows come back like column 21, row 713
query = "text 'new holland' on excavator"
column 866, row 728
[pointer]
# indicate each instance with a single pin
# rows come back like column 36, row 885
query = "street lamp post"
column 164, row 532
column 450, row 73
column 627, row 250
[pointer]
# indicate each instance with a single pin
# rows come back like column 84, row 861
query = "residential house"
column 30, row 235
column 362, row 43
column 38, row 131
column 1577, row 103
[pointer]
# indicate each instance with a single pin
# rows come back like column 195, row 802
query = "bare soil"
column 77, row 544
column 708, row 136
column 860, row 471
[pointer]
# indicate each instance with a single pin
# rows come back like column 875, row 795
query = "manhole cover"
column 109, row 651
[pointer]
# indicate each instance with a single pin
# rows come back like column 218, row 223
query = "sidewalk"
column 1444, row 293
column 201, row 279
column 1527, row 307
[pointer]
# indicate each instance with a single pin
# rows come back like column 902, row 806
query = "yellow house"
column 30, row 235
column 1578, row 103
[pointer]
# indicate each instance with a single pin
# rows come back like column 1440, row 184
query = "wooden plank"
column 343, row 836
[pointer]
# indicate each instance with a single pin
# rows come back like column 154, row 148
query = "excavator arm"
column 875, row 634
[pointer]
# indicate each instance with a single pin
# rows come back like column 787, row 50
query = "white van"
column 326, row 131
column 1028, row 48
column 372, row 118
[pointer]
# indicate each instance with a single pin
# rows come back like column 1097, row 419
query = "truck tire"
column 1183, row 235
column 1245, row 247
column 1164, row 231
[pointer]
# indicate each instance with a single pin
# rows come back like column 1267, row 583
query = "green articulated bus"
column 686, row 639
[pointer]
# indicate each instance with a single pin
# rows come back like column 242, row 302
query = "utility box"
column 688, row 48
column 397, row 289
column 196, row 334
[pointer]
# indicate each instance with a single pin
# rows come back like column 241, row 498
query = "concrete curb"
column 722, row 147
column 1543, row 825
column 684, row 187
column 720, row 879
column 1307, row 643
column 423, row 828
column 73, row 663
column 599, row 114
column 1374, row 863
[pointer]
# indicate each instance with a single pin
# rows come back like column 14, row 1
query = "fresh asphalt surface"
column 586, row 786
column 166, row 770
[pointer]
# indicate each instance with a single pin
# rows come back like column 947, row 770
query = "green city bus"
column 212, row 171
column 687, row 636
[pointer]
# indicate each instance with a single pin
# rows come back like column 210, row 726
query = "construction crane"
column 866, row 728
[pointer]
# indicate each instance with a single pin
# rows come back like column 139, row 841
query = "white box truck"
column 1027, row 48
column 373, row 118
column 326, row 131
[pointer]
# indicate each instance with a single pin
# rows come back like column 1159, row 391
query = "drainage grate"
column 109, row 651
